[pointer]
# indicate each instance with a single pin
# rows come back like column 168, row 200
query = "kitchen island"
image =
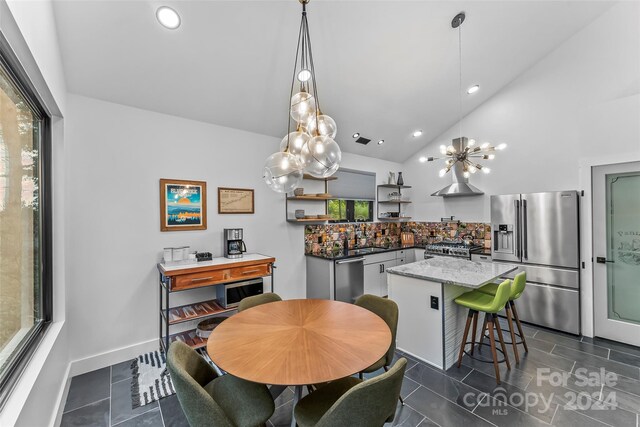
column 430, row 323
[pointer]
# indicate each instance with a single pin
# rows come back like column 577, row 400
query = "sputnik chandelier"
column 464, row 153
column 311, row 148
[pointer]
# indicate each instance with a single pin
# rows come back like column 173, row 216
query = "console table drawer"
column 195, row 280
column 250, row 271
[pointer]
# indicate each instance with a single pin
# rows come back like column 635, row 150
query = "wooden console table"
column 182, row 277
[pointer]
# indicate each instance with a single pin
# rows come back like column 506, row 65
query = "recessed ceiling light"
column 357, row 134
column 381, row 142
column 417, row 133
column 168, row 17
column 473, row 89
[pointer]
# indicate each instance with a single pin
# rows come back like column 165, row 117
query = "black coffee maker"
column 234, row 246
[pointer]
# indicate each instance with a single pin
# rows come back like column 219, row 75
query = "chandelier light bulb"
column 491, row 156
column 472, row 169
column 304, row 75
column 443, row 149
column 466, row 174
column 295, row 140
column 450, row 149
column 303, row 106
column 501, row 146
column 485, row 145
column 321, row 156
column 322, row 125
column 442, row 172
column 282, row 172
column 471, row 143
column 422, row 159
column 486, row 170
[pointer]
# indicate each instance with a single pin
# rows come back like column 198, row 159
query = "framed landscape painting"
column 183, row 205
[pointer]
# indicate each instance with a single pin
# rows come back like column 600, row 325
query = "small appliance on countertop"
column 234, row 245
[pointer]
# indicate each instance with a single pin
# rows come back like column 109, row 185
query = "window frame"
column 20, row 359
column 350, row 211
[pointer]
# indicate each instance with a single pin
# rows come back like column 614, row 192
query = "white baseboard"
column 62, row 397
column 97, row 361
column 108, row 358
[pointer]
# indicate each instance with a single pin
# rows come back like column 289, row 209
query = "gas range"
column 459, row 250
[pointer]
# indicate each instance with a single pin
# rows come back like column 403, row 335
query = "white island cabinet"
column 430, row 324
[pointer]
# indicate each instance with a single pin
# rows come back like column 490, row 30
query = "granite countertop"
column 482, row 251
column 453, row 271
column 358, row 252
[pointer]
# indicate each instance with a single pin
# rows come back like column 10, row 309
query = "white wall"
column 34, row 401
column 578, row 107
column 117, row 154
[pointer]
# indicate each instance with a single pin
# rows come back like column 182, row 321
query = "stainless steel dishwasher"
column 349, row 279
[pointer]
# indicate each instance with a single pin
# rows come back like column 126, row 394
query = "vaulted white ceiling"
column 384, row 68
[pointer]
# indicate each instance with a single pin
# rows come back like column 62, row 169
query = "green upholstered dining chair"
column 388, row 310
column 353, row 402
column 209, row 400
column 255, row 300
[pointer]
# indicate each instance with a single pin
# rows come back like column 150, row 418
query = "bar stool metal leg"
column 507, row 308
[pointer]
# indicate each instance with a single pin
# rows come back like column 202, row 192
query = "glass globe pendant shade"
column 322, row 125
column 295, row 140
column 321, row 156
column 303, row 106
column 282, row 172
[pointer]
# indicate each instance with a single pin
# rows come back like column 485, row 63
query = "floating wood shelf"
column 313, row 178
column 318, row 220
column 304, row 197
column 394, row 186
column 198, row 310
column 395, row 202
column 395, row 219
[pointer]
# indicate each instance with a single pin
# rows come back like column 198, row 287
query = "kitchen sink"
column 364, row 251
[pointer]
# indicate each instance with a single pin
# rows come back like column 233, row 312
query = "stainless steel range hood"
column 460, row 186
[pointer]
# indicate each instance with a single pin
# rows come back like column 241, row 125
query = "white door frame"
column 586, row 230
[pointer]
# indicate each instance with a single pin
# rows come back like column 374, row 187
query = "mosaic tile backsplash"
column 321, row 239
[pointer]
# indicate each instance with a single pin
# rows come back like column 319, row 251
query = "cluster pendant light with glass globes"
column 464, row 152
column 311, row 147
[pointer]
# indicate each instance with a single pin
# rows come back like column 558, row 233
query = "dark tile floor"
column 563, row 380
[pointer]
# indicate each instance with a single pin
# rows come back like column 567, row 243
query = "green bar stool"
column 477, row 302
column 517, row 288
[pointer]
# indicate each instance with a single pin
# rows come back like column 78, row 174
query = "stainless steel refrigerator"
column 540, row 233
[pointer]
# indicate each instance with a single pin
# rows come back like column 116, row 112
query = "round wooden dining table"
column 299, row 342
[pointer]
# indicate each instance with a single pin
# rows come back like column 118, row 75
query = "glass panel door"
column 616, row 251
column 623, row 246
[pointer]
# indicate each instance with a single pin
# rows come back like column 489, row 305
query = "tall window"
column 25, row 274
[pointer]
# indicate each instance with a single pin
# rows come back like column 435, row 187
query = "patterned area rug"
column 151, row 380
